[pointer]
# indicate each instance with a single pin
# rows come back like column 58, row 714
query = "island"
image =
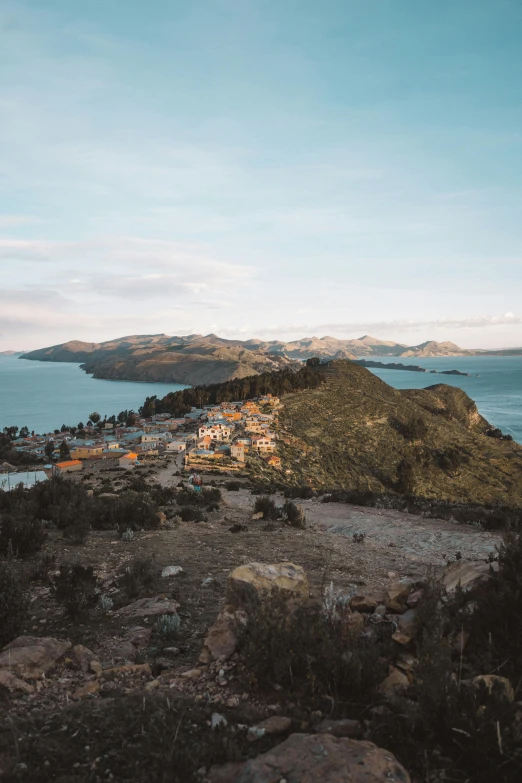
column 409, row 367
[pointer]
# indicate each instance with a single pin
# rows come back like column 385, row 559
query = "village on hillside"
column 215, row 437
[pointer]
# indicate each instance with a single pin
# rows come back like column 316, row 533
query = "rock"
column 460, row 641
column 395, row 682
column 275, row 725
column 355, row 621
column 30, row 657
column 313, row 758
column 467, row 575
column 398, row 592
column 12, row 683
column 192, row 674
column 257, row 516
column 493, row 682
column 171, row 571
column 340, row 728
column 407, row 627
column 364, row 603
column 152, row 685
column 82, row 656
column 414, row 598
column 140, row 636
column 221, row 641
column 96, row 667
column 255, row 733
column 149, row 607
column 171, row 652
column 250, row 581
column 128, row 669
column 124, row 650
column 89, row 689
column 162, row 518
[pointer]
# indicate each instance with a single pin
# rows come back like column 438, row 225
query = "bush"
column 167, row 627
column 78, row 531
column 13, row 605
column 304, row 492
column 267, row 507
column 139, row 578
column 294, row 515
column 413, row 429
column 20, row 536
column 189, row 514
column 42, row 568
column 308, row 650
column 450, row 459
column 76, row 588
column 233, row 486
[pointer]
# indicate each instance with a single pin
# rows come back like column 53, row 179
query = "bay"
column 497, row 390
column 44, row 395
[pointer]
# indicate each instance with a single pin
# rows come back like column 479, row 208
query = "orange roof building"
column 69, row 466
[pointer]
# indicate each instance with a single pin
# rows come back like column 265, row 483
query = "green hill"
column 355, row 432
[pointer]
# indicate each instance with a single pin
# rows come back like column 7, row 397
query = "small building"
column 9, row 481
column 176, row 445
column 86, row 451
column 274, row 461
column 68, row 466
column 237, row 451
column 262, row 444
column 128, row 460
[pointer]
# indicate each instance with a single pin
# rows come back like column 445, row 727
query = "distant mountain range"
column 10, row 353
column 197, row 359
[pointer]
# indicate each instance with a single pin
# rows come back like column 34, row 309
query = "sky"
column 261, row 168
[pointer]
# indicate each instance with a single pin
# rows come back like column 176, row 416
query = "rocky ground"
column 360, row 552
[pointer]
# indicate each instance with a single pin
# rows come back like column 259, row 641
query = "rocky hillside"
column 356, row 432
column 191, row 360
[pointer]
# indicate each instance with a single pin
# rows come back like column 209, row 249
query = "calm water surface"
column 497, row 390
column 44, row 395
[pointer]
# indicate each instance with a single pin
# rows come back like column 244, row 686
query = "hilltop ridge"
column 196, row 359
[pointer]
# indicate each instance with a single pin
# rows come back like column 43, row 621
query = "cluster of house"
column 214, row 433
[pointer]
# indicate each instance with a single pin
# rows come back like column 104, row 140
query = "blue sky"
column 271, row 168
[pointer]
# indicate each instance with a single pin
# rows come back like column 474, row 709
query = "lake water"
column 44, row 395
column 497, row 390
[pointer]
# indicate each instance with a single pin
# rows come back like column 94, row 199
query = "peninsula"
column 195, row 359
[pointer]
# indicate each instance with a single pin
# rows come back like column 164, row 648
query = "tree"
column 313, row 362
column 65, row 452
column 24, row 432
column 11, row 432
column 94, row 417
column 81, row 425
column 49, row 449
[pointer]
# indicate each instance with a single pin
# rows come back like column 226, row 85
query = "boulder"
column 140, row 636
column 251, row 581
column 466, row 575
column 407, row 627
column 312, row 758
column 149, row 607
column 30, row 657
column 12, row 683
column 364, row 603
column 398, row 592
column 395, row 682
column 340, row 728
column 247, row 585
column 221, row 641
column 88, row 689
column 83, row 657
column 172, row 570
column 275, row 725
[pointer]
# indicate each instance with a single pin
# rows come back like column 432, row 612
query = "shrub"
column 139, row 578
column 13, row 605
column 267, row 507
column 294, row 515
column 127, row 535
column 450, row 458
column 42, row 568
column 78, row 531
column 75, row 587
column 413, row 429
column 167, row 627
column 21, row 536
column 189, row 514
column 232, row 486
column 106, row 604
column 302, row 648
column 304, row 492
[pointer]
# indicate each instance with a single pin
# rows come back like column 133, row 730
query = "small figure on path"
column 195, row 482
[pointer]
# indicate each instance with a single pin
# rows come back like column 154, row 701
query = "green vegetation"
column 356, row 433
column 13, row 604
column 76, row 588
